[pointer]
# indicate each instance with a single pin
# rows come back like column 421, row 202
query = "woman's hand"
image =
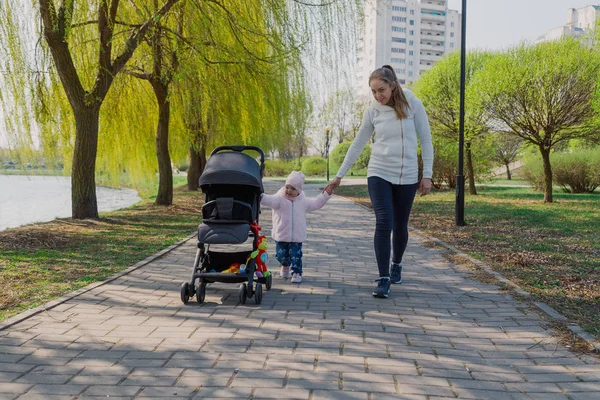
column 335, row 182
column 425, row 186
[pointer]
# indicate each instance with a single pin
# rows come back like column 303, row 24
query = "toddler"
column 289, row 222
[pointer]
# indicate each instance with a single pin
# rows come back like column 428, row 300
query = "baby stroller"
column 232, row 183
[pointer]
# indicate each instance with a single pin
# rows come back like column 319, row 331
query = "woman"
column 398, row 118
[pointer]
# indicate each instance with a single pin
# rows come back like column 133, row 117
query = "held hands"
column 335, row 182
column 424, row 186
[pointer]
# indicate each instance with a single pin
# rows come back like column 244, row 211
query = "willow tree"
column 88, row 52
column 439, row 89
column 544, row 94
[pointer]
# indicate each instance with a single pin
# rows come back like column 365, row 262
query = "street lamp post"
column 327, row 139
column 460, row 178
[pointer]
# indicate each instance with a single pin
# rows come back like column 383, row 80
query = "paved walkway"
column 440, row 335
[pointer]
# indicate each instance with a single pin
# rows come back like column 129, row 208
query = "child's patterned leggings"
column 289, row 254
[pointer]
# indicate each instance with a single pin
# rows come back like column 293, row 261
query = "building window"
column 399, row 60
column 410, row 63
column 410, row 43
column 451, row 45
column 451, row 34
column 398, row 50
column 398, row 29
column 412, row 12
column 411, row 33
column 412, row 21
column 399, row 19
column 399, row 40
column 410, row 73
column 452, row 24
column 398, row 8
column 410, row 53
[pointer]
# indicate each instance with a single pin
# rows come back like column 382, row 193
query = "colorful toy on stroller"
column 232, row 183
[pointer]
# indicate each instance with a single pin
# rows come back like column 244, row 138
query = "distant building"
column 579, row 22
column 409, row 35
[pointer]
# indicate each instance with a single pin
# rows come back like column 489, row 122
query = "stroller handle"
column 239, row 149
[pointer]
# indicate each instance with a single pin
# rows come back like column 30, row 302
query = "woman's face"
column 382, row 91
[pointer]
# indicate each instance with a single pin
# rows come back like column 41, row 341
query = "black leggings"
column 392, row 205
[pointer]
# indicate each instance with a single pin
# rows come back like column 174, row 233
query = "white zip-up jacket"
column 289, row 214
column 394, row 153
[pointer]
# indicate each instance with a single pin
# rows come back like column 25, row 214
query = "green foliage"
column 279, row 167
column 445, row 164
column 314, row 166
column 533, row 172
column 577, row 172
column 339, row 152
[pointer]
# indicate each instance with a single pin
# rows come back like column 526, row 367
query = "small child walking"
column 289, row 222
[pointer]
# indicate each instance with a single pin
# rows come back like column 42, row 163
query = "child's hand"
column 328, row 190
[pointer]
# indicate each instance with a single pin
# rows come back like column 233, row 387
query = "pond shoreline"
column 27, row 199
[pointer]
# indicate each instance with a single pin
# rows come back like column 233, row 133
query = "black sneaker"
column 396, row 273
column 383, row 287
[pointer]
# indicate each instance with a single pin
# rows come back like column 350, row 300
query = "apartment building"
column 579, row 22
column 409, row 35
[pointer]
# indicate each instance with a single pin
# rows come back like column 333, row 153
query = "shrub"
column 577, row 172
column 314, row 166
column 444, row 170
column 533, row 172
column 279, row 167
column 339, row 152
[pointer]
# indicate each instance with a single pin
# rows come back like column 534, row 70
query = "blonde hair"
column 398, row 100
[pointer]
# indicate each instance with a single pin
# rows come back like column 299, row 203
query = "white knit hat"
column 296, row 179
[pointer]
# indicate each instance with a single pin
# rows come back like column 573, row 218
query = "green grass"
column 43, row 261
column 551, row 250
column 31, row 172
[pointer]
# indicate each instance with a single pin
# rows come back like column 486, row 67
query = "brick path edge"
column 545, row 308
column 53, row 303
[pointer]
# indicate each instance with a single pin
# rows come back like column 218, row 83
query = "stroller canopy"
column 232, row 168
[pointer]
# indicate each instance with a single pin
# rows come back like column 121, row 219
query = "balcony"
column 430, row 47
column 434, row 39
column 426, row 18
column 437, row 36
column 433, row 57
column 431, row 26
column 433, row 7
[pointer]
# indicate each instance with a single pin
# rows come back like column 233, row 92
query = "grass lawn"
column 44, row 261
column 550, row 250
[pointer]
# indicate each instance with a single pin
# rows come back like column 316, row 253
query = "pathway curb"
column 545, row 308
column 53, row 303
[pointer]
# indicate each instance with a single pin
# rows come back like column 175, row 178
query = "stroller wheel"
column 269, row 282
column 201, row 293
column 242, row 294
column 258, row 294
column 185, row 292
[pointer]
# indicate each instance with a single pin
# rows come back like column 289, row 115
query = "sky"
column 499, row 24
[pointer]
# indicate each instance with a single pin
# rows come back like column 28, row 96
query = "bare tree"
column 507, row 150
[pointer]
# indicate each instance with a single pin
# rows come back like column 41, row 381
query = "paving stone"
column 440, row 335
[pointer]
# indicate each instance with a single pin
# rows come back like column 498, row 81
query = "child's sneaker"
column 296, row 278
column 284, row 272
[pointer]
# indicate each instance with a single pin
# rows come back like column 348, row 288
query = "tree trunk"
column 197, row 163
column 470, row 172
column 508, row 175
column 164, row 197
column 547, row 174
column 83, row 171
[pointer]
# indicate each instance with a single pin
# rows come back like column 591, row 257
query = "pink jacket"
column 289, row 214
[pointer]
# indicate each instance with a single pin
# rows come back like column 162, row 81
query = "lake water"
column 28, row 199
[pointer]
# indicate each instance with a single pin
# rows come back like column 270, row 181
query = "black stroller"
column 232, row 183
